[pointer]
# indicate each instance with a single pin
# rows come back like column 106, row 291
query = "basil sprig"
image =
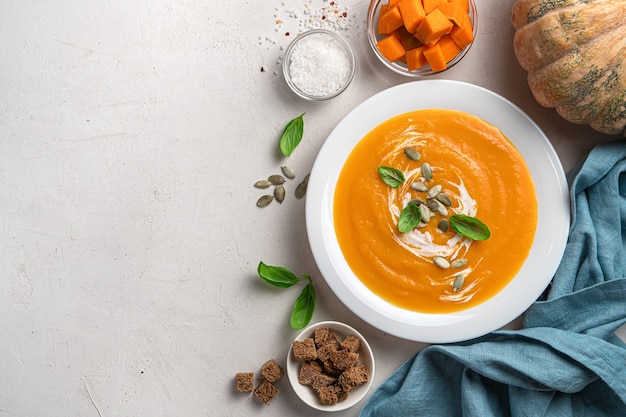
column 292, row 135
column 410, row 217
column 393, row 177
column 282, row 277
column 469, row 226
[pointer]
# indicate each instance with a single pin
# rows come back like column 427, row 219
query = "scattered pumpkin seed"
column 426, row 213
column 427, row 171
column 262, row 184
column 265, row 200
column 435, row 205
column 458, row 263
column 458, row 282
column 279, row 193
column 301, row 188
column 417, row 201
column 412, row 154
column 419, row 186
column 276, row 179
column 443, row 225
column 444, row 199
column 288, row 172
column 441, row 262
column 434, row 191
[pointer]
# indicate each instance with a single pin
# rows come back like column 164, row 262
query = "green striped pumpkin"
column 575, row 55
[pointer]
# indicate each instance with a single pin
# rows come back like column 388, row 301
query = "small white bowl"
column 308, row 394
column 318, row 67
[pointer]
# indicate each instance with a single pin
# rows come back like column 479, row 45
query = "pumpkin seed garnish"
column 417, row 201
column 434, row 191
column 444, row 199
column 443, row 225
column 419, row 186
column 412, row 154
column 265, row 200
column 426, row 213
column 276, row 179
column 433, row 204
column 441, row 262
column 301, row 188
column 458, row 282
column 427, row 171
column 458, row 263
column 262, row 184
column 288, row 172
column 279, row 193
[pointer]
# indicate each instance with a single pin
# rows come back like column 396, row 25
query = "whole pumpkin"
column 575, row 55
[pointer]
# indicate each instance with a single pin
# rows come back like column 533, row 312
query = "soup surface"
column 481, row 174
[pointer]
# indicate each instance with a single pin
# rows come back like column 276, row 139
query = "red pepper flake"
column 323, row 17
column 286, row 33
column 332, row 3
column 262, row 69
column 345, row 14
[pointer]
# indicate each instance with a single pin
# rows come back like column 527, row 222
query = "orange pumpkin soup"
column 481, row 175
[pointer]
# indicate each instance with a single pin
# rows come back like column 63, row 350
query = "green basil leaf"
column 410, row 217
column 469, row 226
column 277, row 276
column 292, row 135
column 303, row 308
column 393, row 177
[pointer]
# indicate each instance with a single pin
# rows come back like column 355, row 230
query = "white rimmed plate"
column 552, row 227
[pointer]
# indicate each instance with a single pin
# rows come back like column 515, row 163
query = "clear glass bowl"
column 324, row 70
column 373, row 37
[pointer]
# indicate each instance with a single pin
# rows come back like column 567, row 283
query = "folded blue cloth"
column 566, row 361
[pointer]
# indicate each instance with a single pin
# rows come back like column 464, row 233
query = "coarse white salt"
column 319, row 65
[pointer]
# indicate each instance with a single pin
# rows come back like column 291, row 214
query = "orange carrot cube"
column 433, row 27
column 391, row 47
column 393, row 2
column 390, row 21
column 412, row 13
column 434, row 56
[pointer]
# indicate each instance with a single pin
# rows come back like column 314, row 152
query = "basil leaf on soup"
column 410, row 217
column 469, row 226
column 393, row 177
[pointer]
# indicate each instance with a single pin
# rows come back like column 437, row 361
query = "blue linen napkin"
column 566, row 361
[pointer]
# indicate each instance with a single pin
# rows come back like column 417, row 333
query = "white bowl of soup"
column 478, row 170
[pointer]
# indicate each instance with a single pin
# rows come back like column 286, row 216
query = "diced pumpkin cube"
column 464, row 4
column 463, row 35
column 433, row 27
column 383, row 9
column 408, row 40
column 391, row 47
column 449, row 48
column 412, row 13
column 434, row 56
column 430, row 5
column 415, row 58
column 453, row 11
column 390, row 21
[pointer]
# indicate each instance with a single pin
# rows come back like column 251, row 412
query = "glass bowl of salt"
column 318, row 65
